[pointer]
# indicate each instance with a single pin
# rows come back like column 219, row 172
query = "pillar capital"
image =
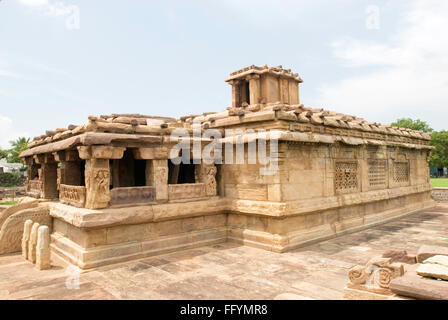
column 234, row 82
column 150, row 153
column 100, row 152
column 66, row 155
column 43, row 158
column 252, row 77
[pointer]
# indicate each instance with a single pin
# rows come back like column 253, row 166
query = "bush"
column 11, row 179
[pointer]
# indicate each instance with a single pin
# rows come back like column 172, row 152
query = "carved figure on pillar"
column 97, row 187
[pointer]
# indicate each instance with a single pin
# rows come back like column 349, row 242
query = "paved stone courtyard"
column 228, row 270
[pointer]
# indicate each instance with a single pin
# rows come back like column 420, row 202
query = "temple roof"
column 277, row 71
column 253, row 115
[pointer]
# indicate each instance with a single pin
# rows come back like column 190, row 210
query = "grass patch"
column 439, row 182
column 9, row 203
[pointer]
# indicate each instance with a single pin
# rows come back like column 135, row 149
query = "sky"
column 63, row 60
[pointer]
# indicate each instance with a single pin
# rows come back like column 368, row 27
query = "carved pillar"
column 97, row 173
column 48, row 175
column 157, row 176
column 207, row 175
column 254, row 88
column 97, row 178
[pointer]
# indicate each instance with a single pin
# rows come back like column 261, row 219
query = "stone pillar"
column 97, row 173
column 207, row 175
column 156, row 169
column 364, row 169
column 271, row 88
column 48, row 175
column 32, row 243
column 329, row 172
column 43, row 248
column 157, row 176
column 33, row 168
column 293, row 92
column 254, row 88
column 26, row 237
column 235, row 93
column 284, row 90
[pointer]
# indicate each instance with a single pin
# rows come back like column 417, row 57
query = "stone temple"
column 109, row 192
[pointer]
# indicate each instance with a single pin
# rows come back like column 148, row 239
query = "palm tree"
column 18, row 146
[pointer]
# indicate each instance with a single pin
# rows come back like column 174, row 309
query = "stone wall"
column 90, row 248
column 440, row 194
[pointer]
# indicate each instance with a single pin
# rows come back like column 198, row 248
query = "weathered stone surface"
column 440, row 194
column 97, row 177
column 413, row 286
column 439, row 259
column 26, row 237
column 427, row 251
column 432, row 270
column 228, row 270
column 291, row 296
column 399, row 256
column 132, row 195
column 43, row 248
column 32, row 243
column 31, row 203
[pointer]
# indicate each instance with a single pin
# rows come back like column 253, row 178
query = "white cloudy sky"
column 61, row 61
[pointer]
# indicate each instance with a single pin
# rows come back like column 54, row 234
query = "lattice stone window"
column 346, row 176
column 401, row 171
column 377, row 173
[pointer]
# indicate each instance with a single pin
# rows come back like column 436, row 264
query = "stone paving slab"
column 229, row 270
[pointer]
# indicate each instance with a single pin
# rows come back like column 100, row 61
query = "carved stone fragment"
column 26, row 237
column 32, row 243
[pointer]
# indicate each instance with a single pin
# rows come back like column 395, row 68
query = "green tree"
column 412, row 124
column 439, row 156
column 18, row 146
column 3, row 153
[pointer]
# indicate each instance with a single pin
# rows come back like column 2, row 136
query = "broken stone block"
column 32, row 243
column 426, row 252
column 432, row 270
column 43, row 248
column 26, row 237
column 413, row 286
column 399, row 256
column 442, row 260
